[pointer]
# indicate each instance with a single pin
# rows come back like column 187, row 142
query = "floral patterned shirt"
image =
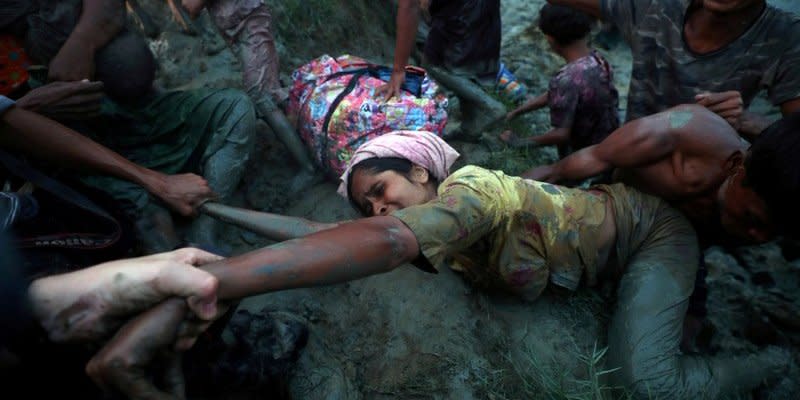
column 510, row 232
column 582, row 97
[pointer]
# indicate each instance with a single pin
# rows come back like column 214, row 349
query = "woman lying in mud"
column 514, row 234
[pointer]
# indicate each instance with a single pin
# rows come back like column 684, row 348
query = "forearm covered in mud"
column 350, row 251
column 273, row 226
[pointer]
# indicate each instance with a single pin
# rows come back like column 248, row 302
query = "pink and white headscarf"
column 420, row 147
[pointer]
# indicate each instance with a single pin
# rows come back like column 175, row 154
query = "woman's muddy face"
column 385, row 192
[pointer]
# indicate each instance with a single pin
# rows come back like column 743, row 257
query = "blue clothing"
column 5, row 104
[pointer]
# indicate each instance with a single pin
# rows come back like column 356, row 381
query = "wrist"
column 154, row 182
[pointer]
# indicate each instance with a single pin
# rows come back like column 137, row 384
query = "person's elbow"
column 396, row 238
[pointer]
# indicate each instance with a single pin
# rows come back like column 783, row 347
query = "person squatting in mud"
column 505, row 232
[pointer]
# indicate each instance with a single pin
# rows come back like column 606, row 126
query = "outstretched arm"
column 591, row 7
column 43, row 138
column 273, row 226
column 637, row 143
column 351, row 251
column 530, row 105
column 407, row 21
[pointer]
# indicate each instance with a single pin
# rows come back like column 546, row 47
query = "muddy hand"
column 183, row 193
column 65, row 100
column 126, row 363
column 89, row 304
column 542, row 173
column 728, row 105
column 393, row 88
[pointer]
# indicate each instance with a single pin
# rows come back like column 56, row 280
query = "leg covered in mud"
column 247, row 26
column 232, row 126
column 646, row 328
column 478, row 108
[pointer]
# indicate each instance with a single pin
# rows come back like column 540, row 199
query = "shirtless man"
column 694, row 159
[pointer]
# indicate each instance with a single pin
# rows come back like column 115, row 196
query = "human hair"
column 566, row 25
column 377, row 165
column 772, row 171
column 126, row 67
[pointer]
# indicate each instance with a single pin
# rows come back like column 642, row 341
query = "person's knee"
column 126, row 67
column 242, row 113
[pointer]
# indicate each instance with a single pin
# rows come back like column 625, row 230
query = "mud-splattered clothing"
column 667, row 73
column 205, row 131
column 465, row 35
column 247, row 26
column 522, row 234
column 583, row 99
column 510, row 232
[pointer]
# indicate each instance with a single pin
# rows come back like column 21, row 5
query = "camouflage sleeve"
column 786, row 82
column 455, row 220
column 625, row 14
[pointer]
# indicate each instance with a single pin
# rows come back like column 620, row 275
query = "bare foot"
column 90, row 303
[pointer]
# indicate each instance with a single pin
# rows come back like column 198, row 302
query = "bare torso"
column 690, row 176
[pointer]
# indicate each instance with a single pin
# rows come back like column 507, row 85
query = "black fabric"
column 463, row 32
column 13, row 15
column 699, row 297
column 15, row 313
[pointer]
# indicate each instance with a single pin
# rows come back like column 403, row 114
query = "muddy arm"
column 637, row 143
column 273, row 226
column 351, row 251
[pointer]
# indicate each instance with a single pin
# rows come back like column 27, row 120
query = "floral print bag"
column 334, row 107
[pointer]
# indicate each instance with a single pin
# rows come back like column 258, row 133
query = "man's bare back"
column 683, row 155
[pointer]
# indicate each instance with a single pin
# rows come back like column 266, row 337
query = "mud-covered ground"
column 407, row 334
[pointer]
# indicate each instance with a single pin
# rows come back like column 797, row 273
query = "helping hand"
column 123, row 364
column 728, row 105
column 89, row 304
column 184, row 193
